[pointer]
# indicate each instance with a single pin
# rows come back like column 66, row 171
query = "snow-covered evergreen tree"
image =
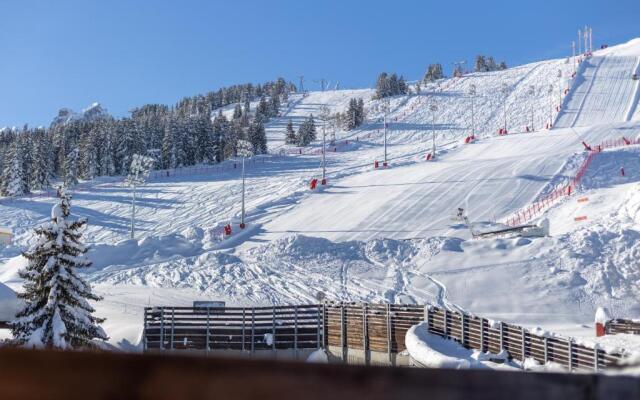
column 41, row 167
column 307, row 132
column 57, row 313
column 434, row 72
column 14, row 182
column 290, row 135
column 71, row 168
column 258, row 137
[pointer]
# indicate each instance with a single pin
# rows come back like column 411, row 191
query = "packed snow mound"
column 288, row 270
column 432, row 351
column 148, row 249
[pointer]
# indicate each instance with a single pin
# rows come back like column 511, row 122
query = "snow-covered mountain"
column 388, row 234
column 91, row 113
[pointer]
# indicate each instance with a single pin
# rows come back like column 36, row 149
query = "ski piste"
column 386, row 234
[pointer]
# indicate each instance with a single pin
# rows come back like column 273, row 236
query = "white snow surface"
column 432, row 351
column 379, row 235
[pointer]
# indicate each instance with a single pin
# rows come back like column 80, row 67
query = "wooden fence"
column 233, row 328
column 482, row 334
column 619, row 325
column 379, row 328
column 370, row 327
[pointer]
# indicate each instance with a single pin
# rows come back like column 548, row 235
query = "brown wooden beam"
column 46, row 375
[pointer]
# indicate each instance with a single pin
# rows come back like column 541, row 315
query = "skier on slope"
column 460, row 214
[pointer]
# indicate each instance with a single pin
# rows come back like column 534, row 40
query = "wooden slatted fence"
column 378, row 328
column 233, row 328
column 620, row 325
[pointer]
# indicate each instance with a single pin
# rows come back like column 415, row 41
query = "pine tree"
column 481, row 64
column 220, row 129
column 274, row 106
column 491, row 64
column 258, row 137
column 307, row 132
column 13, row 177
column 57, row 313
column 263, row 111
column 434, row 72
column 290, row 135
column 71, row 168
column 382, row 86
column 41, row 165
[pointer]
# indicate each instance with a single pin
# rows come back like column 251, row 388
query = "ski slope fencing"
column 343, row 327
column 317, row 151
column 620, row 325
column 538, row 207
column 221, row 168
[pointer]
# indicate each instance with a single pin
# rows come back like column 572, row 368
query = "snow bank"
column 319, row 357
column 150, row 248
column 433, row 351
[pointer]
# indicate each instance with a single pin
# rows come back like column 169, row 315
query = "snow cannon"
column 586, row 146
column 384, row 165
column 242, row 225
column 323, row 182
column 627, row 142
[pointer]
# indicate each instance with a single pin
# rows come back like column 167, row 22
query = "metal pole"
column 579, row 41
column 243, row 186
column 573, row 52
column 504, row 104
column 473, row 115
column 385, row 137
column 324, row 150
column 433, row 135
column 133, row 211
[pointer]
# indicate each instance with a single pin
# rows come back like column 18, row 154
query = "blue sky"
column 125, row 53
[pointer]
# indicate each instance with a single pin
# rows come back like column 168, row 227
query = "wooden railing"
column 620, row 325
column 379, row 328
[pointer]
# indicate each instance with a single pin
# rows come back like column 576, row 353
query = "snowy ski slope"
column 603, row 92
column 488, row 179
column 346, row 239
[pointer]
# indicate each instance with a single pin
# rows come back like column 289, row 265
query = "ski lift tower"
column 138, row 174
column 245, row 149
